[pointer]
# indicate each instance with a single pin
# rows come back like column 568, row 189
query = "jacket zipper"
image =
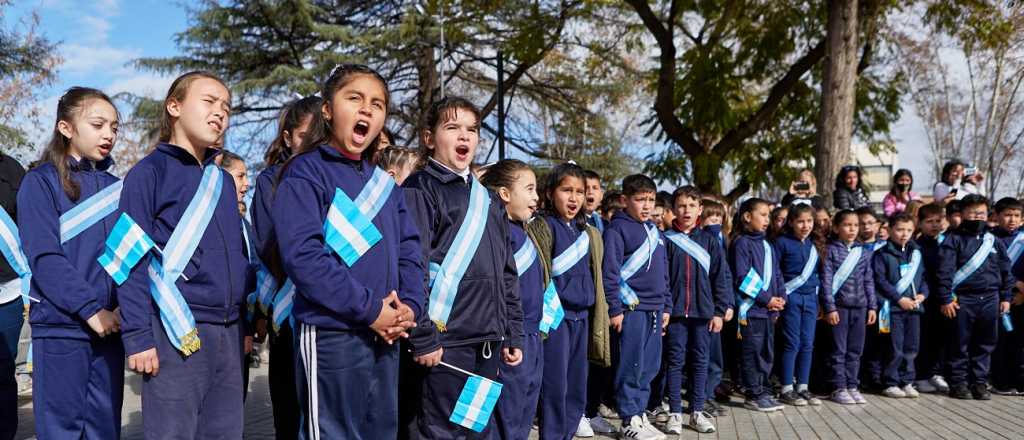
column 686, row 311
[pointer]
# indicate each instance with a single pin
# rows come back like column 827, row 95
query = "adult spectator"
column 849, row 192
column 11, row 309
column 958, row 181
column 900, row 194
column 803, row 190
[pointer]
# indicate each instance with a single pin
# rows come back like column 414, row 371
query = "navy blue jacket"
column 259, row 209
column 930, row 257
column 695, row 293
column 993, row 277
column 793, row 255
column 575, row 287
column 746, row 252
column 329, row 294
column 487, row 307
column 69, row 282
column 622, row 236
column 156, row 192
column 859, row 289
column 886, row 263
column 531, row 283
column 716, row 231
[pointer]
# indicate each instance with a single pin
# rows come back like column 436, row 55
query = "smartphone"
column 802, row 186
column 970, row 171
column 953, row 191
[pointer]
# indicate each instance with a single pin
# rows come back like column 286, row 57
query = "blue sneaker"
column 762, row 404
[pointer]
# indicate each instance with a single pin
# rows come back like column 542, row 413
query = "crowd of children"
column 405, row 294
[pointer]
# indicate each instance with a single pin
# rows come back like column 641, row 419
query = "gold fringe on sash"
column 190, row 342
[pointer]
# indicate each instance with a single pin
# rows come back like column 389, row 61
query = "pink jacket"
column 892, row 205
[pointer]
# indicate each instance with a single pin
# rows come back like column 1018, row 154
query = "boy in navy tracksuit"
column 638, row 300
column 935, row 328
column 178, row 398
column 899, row 282
column 1007, row 357
column 79, row 375
column 760, row 296
column 973, row 266
column 700, row 287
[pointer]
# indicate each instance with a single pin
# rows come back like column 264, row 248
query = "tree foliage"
column 28, row 62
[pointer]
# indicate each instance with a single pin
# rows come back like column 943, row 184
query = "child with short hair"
column 699, row 285
column 935, row 328
column 899, row 281
column 974, row 287
column 848, row 292
column 398, row 162
column 954, row 214
column 1006, row 370
column 760, row 297
column 636, row 288
column 611, row 204
column 595, row 196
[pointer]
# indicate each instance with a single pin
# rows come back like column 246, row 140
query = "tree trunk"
column 835, row 127
column 426, row 70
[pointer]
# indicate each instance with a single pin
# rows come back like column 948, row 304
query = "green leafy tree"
column 28, row 62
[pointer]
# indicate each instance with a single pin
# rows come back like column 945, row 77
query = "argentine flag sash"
column 906, row 282
column 266, row 288
column 175, row 315
column 1016, row 248
column 349, row 230
column 445, row 278
column 987, row 247
column 809, row 267
column 878, row 245
column 10, row 246
column 640, row 257
column 753, row 284
column 598, row 221
column 694, row 250
column 552, row 311
column 283, row 301
column 525, row 256
column 90, row 211
column 846, row 268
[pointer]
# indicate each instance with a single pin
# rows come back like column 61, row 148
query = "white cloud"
column 95, row 29
column 80, row 59
column 148, row 85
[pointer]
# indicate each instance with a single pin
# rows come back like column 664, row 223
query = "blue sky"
column 99, row 38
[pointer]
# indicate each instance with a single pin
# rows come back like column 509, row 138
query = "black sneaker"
column 792, row 398
column 959, row 391
column 980, row 392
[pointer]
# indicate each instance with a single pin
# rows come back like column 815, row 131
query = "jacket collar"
column 445, row 174
column 88, row 165
column 180, row 153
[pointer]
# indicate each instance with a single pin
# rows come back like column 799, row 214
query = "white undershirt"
column 464, row 174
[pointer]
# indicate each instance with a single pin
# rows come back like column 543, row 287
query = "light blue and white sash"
column 283, row 301
column 809, row 267
column 266, row 287
column 525, row 256
column 974, row 263
column 638, row 259
column 598, row 221
column 1016, row 248
column 878, row 245
column 349, row 230
column 445, row 278
column 552, row 312
column 90, row 211
column 10, row 246
column 175, row 314
column 846, row 268
column 754, row 283
column 694, row 250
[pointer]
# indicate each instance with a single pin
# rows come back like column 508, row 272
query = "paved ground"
column 929, row 417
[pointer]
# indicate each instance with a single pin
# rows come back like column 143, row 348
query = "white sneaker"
column 658, row 435
column 940, row 383
column 637, row 429
column 894, row 392
column 909, row 390
column 674, row 425
column 700, row 423
column 584, row 430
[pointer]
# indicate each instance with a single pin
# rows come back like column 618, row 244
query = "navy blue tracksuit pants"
column 847, row 347
column 563, row 392
column 440, row 389
column 901, row 351
column 11, row 320
column 798, row 321
column 974, row 339
column 756, row 355
column 78, row 387
column 639, row 361
column 281, row 379
column 688, row 347
column 199, row 396
column 936, row 331
column 347, row 384
column 520, row 390
column 716, row 363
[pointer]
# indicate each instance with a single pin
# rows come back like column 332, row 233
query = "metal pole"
column 501, row 106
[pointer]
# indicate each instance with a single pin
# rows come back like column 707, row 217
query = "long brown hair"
column 292, row 116
column 177, row 92
column 58, row 149
column 320, row 128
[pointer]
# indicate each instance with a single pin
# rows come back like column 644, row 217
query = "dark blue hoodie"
column 575, row 287
column 886, row 262
column 259, row 209
column 487, row 306
column 531, row 283
column 695, row 293
column 793, row 255
column 746, row 252
column 156, row 192
column 859, row 289
column 329, row 294
column 69, row 282
column 993, row 277
column 622, row 236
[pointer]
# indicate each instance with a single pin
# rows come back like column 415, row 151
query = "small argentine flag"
column 125, row 246
column 473, row 409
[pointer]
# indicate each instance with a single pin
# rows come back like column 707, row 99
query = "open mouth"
column 216, row 126
column 462, row 151
column 105, row 149
column 360, row 131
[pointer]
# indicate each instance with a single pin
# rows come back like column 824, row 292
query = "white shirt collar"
column 464, row 173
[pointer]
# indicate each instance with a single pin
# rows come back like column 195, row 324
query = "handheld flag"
column 476, row 402
column 125, row 246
